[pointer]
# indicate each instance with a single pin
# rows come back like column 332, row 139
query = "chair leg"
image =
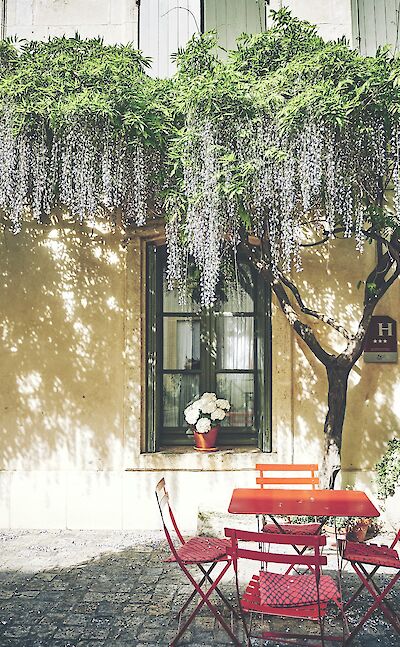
column 373, row 584
column 205, row 600
column 355, row 595
column 378, row 603
column 194, row 592
column 206, row 574
column 217, row 591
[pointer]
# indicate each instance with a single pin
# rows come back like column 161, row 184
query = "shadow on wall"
column 329, row 284
column 62, row 348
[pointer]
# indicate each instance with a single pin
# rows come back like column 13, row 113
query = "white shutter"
column 233, row 17
column 165, row 26
column 375, row 23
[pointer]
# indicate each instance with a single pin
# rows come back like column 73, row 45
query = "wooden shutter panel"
column 164, row 27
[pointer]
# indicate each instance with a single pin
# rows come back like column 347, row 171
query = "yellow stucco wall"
column 72, row 402
column 373, row 406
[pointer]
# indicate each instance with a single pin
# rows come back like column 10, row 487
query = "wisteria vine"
column 81, row 169
column 289, row 133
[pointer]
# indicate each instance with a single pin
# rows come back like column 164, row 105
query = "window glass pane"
column 235, row 342
column 239, row 390
column 172, row 300
column 181, row 343
column 239, row 294
column 178, row 391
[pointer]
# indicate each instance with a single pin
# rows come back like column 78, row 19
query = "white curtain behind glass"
column 235, row 343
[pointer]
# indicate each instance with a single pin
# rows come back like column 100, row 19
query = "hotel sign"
column 381, row 341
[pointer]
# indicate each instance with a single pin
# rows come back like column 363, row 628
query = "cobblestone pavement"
column 106, row 589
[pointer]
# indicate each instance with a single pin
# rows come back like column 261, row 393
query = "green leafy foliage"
column 67, row 79
column 388, row 469
column 216, row 112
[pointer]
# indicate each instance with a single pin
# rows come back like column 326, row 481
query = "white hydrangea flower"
column 203, row 425
column 208, row 397
column 191, row 414
column 223, row 404
column 207, row 402
column 218, row 414
column 208, row 406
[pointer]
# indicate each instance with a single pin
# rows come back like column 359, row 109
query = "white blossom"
column 208, row 396
column 207, row 402
column 191, row 414
column 218, row 414
column 207, row 406
column 203, row 425
column 223, row 404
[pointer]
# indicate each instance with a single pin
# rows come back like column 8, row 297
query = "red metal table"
column 315, row 503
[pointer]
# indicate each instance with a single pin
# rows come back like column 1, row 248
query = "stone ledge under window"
column 187, row 459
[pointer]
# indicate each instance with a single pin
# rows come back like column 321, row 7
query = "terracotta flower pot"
column 206, row 442
column 360, row 530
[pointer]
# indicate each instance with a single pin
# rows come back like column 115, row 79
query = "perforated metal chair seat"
column 371, row 554
column 293, row 529
column 279, row 590
column 201, row 550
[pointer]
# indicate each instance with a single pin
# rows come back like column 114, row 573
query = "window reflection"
column 235, row 342
column 239, row 294
column 209, row 349
column 181, row 343
column 178, row 391
column 176, row 302
column 239, row 390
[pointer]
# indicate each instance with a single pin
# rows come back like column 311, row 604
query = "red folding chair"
column 361, row 555
column 203, row 552
column 304, row 595
column 288, row 474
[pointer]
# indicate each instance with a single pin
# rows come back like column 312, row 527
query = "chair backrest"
column 287, row 474
column 314, row 542
column 167, row 516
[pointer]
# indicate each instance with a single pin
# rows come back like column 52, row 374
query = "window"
column 225, row 349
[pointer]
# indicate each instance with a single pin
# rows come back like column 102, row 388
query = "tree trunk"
column 333, row 427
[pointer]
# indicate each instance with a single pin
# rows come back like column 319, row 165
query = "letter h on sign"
column 381, row 341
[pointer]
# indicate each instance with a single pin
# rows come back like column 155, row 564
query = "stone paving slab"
column 113, row 589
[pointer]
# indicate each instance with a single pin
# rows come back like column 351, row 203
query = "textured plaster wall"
column 114, row 20
column 72, row 402
column 329, row 282
column 61, row 359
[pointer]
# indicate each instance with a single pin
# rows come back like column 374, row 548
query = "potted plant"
column 204, row 416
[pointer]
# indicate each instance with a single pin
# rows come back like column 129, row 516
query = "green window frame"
column 210, row 368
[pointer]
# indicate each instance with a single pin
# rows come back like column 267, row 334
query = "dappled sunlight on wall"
column 62, row 332
column 373, row 415
column 329, row 283
column 309, row 404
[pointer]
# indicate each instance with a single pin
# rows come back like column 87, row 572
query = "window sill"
column 186, row 459
column 185, row 449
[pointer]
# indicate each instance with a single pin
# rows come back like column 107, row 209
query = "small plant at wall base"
column 204, row 415
column 388, row 470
